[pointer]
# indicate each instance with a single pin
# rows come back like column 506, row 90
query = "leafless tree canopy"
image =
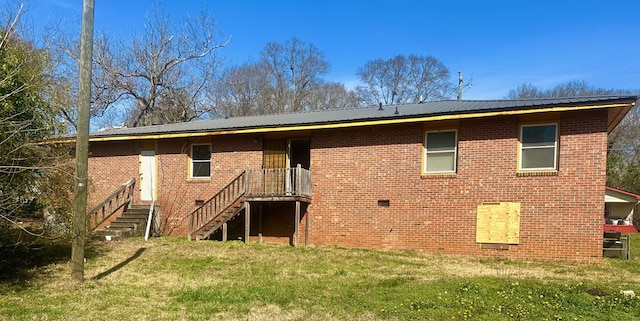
column 294, row 68
column 158, row 76
column 574, row 88
column 243, row 91
column 287, row 78
column 403, row 79
column 333, row 95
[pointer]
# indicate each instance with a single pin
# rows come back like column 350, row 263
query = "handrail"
column 277, row 182
column 111, row 204
column 217, row 204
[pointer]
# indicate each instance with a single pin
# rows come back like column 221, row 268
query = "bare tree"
column 295, row 68
column 243, row 91
column 160, row 75
column 525, row 91
column 573, row 88
column 333, row 95
column 623, row 161
column 287, row 78
column 404, row 79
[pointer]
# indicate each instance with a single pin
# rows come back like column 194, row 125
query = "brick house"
column 521, row 179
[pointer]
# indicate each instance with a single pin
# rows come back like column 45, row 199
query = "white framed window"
column 538, row 147
column 201, row 161
column 440, row 151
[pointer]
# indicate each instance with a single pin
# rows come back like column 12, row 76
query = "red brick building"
column 519, row 179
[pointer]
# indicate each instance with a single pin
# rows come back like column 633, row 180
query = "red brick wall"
column 177, row 194
column 352, row 169
column 561, row 215
column 111, row 165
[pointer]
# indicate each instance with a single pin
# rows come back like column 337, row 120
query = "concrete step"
column 131, row 219
column 116, row 234
column 131, row 223
column 124, row 225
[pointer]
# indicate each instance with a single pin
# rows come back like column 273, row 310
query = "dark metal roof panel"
column 434, row 108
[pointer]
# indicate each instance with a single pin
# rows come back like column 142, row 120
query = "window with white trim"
column 201, row 161
column 440, row 151
column 538, row 147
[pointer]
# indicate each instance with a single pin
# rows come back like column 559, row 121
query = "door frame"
column 150, row 173
column 290, row 179
column 289, row 151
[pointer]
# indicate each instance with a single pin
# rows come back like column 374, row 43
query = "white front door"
column 147, row 174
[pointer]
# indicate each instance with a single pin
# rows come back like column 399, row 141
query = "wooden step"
column 134, row 214
column 140, row 207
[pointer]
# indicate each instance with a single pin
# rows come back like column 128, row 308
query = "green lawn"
column 173, row 279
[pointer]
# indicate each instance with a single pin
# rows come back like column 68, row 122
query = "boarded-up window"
column 498, row 223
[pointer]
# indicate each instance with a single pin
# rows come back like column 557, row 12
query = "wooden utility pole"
column 82, row 143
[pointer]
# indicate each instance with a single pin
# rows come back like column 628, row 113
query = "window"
column 200, row 161
column 440, row 152
column 538, row 147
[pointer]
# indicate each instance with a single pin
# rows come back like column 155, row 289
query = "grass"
column 173, row 279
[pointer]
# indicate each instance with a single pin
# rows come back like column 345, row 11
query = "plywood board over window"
column 498, row 223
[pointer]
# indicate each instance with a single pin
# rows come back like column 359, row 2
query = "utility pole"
column 460, row 85
column 82, row 144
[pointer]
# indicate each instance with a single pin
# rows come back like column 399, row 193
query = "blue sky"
column 497, row 45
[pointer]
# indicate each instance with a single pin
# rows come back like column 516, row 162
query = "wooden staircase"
column 226, row 205
column 265, row 185
column 131, row 223
column 218, row 222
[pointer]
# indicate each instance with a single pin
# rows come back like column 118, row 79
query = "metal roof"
column 407, row 111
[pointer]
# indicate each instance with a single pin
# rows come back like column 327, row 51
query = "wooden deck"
column 252, row 185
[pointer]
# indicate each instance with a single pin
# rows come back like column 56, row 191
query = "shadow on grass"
column 120, row 265
column 23, row 255
column 21, row 260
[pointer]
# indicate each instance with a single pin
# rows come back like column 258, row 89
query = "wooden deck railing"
column 278, row 182
column 116, row 200
column 217, row 205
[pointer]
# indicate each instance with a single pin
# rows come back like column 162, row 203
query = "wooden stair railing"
column 116, row 200
column 220, row 208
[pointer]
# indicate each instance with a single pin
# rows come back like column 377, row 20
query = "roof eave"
column 623, row 108
column 617, row 110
